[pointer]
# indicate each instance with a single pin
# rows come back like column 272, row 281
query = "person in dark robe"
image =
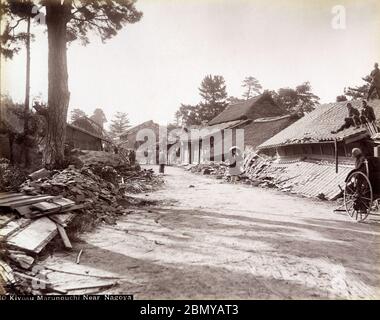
column 353, row 119
column 375, row 82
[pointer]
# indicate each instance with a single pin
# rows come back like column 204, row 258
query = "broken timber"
column 50, row 215
column 37, row 235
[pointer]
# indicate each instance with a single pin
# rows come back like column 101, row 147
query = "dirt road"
column 216, row 240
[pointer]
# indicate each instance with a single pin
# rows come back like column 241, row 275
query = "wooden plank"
column 21, row 203
column 15, row 198
column 64, row 203
column 64, row 237
column 13, row 226
column 38, row 214
column 24, row 211
column 56, row 219
column 23, row 260
column 9, row 194
column 46, row 207
column 6, row 218
column 38, row 234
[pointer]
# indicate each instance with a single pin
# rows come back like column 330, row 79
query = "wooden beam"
column 64, row 237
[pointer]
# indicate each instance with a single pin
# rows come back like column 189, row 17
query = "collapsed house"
column 307, row 158
column 245, row 124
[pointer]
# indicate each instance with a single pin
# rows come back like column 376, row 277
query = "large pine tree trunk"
column 58, row 90
column 27, row 96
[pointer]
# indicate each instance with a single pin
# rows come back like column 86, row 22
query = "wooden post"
column 336, row 155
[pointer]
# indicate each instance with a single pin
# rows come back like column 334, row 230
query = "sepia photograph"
column 189, row 150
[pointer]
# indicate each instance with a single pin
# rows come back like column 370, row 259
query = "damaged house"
column 258, row 119
column 85, row 134
column 307, row 158
column 146, row 133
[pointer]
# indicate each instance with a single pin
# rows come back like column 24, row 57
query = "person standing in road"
column 162, row 161
column 235, row 162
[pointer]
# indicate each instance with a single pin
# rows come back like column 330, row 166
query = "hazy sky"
column 153, row 66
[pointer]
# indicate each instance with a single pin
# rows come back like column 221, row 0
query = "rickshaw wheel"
column 358, row 196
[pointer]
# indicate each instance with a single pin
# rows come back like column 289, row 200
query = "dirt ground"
column 211, row 239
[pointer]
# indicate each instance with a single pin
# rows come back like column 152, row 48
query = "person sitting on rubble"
column 375, row 82
column 353, row 119
column 235, row 161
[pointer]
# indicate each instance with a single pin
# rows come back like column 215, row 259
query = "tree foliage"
column 76, row 114
column 68, row 20
column 119, row 124
column 361, row 91
column 188, row 115
column 232, row 100
column 341, row 98
column 214, row 94
column 299, row 100
column 99, row 117
column 214, row 101
column 252, row 87
column 13, row 36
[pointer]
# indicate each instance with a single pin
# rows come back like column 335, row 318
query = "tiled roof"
column 307, row 178
column 257, row 131
column 317, row 125
column 257, row 107
column 140, row 126
column 74, row 127
column 209, row 130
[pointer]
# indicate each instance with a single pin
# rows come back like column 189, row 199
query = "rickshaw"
column 362, row 191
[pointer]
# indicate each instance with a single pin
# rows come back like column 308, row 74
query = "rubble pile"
column 307, row 177
column 100, row 193
column 94, row 188
column 100, row 197
column 260, row 172
column 217, row 169
column 10, row 176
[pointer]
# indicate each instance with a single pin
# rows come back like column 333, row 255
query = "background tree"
column 77, row 113
column 298, row 100
column 68, row 20
column 99, row 117
column 341, row 98
column 214, row 94
column 360, row 92
column 307, row 100
column 188, row 115
column 11, row 41
column 119, row 124
column 232, row 100
column 252, row 86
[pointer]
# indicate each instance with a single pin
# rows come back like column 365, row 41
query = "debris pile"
column 27, row 224
column 306, row 177
column 10, row 176
column 94, row 188
column 217, row 169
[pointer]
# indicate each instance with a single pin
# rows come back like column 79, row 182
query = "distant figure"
column 353, row 119
column 375, row 82
column 235, row 161
column 162, row 161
